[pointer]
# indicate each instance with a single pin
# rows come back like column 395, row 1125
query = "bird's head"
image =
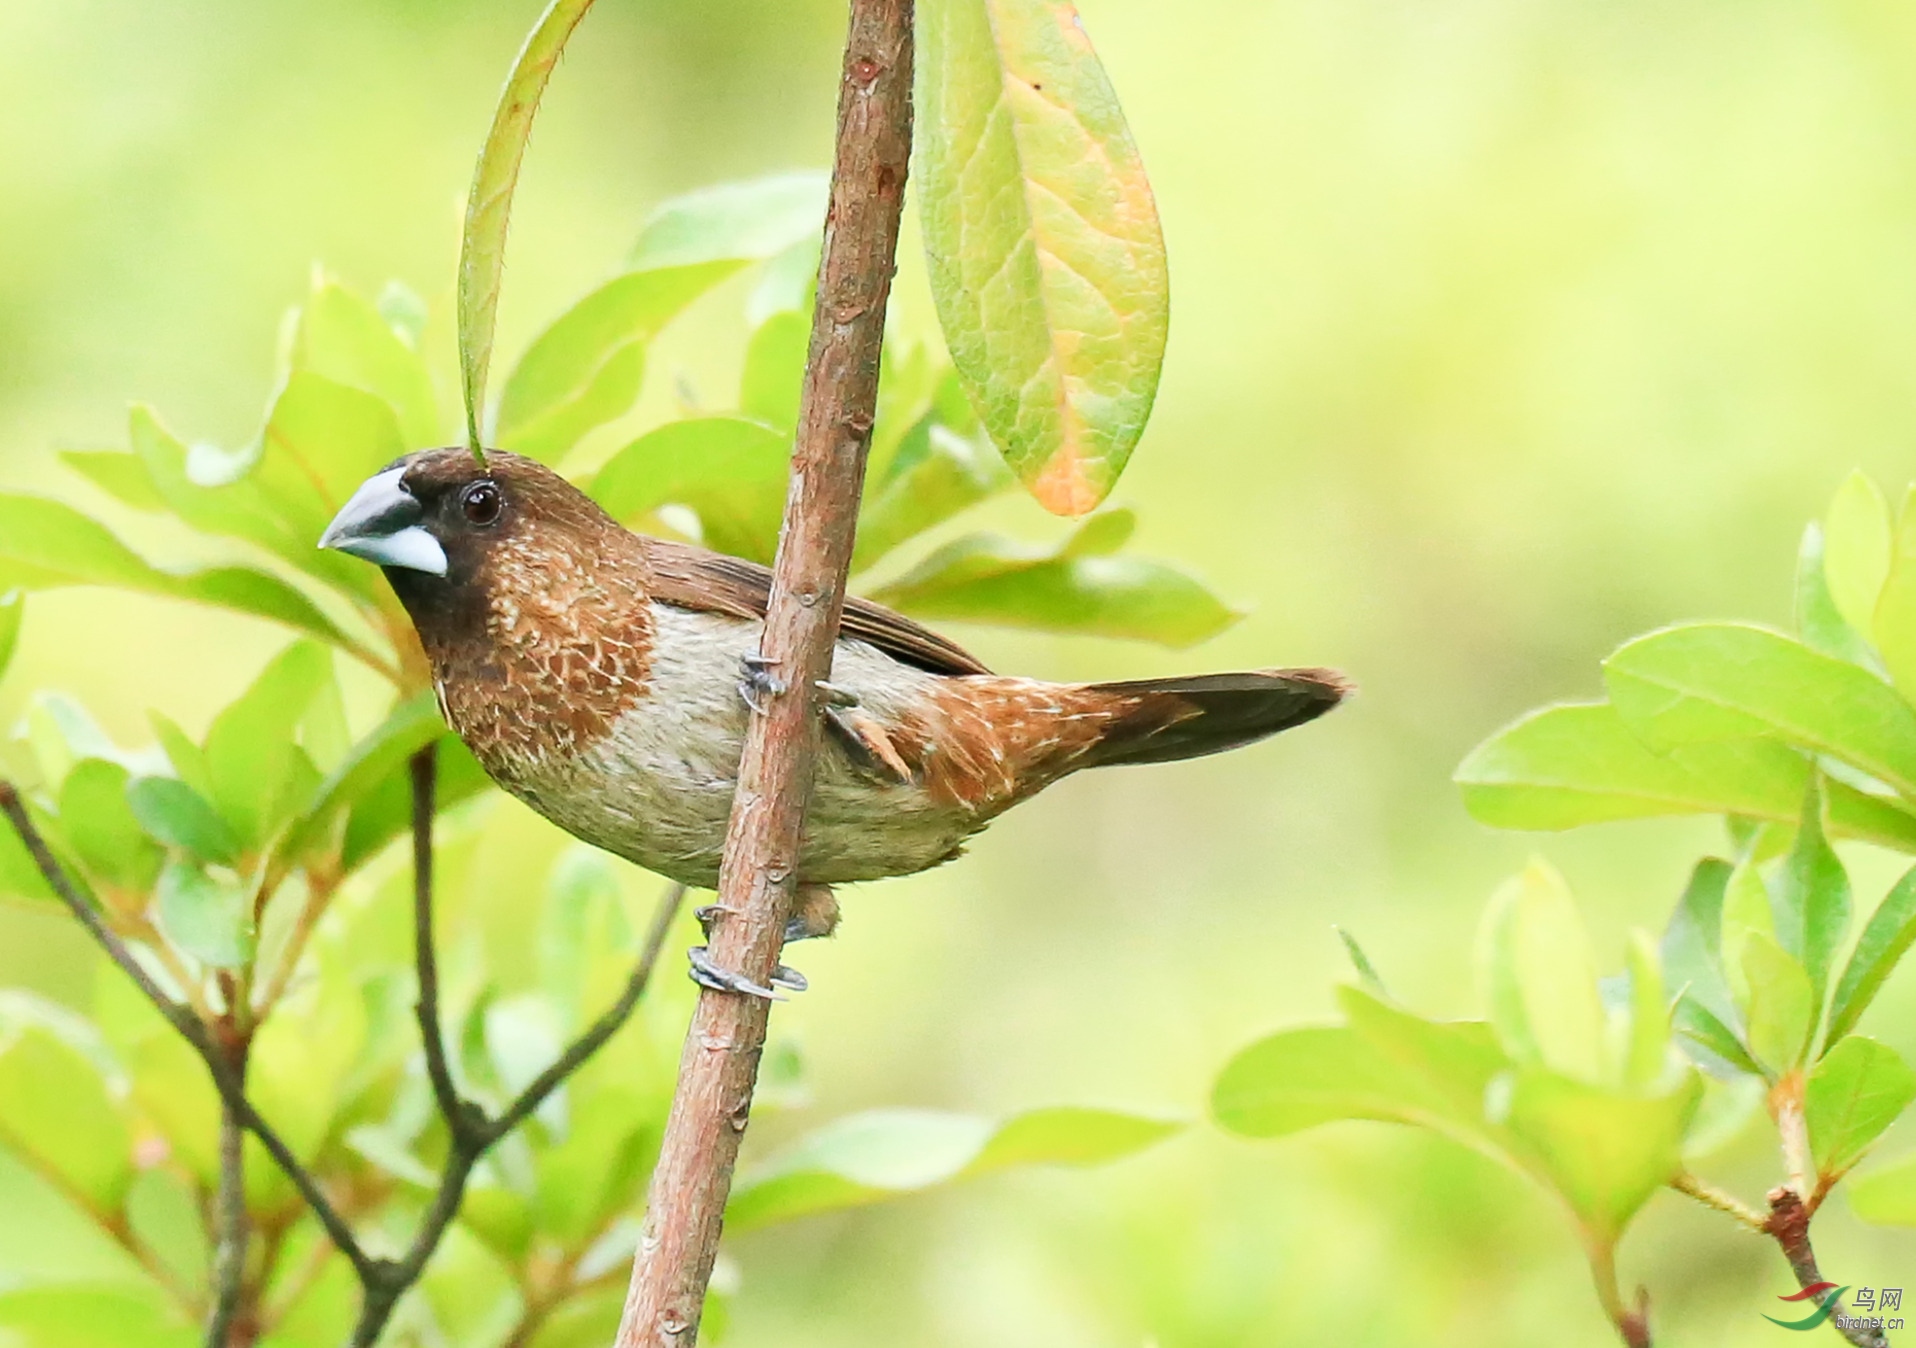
column 443, row 526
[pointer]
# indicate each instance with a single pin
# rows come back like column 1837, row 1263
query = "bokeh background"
column 1502, row 330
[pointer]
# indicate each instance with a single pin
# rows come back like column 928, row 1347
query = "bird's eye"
column 481, row 502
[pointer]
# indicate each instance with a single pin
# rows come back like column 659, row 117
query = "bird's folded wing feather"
column 697, row 578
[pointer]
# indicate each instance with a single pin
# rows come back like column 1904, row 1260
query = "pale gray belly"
column 658, row 790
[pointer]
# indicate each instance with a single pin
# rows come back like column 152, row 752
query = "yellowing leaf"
column 1046, row 259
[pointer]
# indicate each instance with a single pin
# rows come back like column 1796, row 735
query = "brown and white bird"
column 595, row 673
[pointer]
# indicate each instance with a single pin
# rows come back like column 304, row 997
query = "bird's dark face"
column 442, row 526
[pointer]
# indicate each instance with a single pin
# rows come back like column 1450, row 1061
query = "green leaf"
column 1690, row 947
column 175, row 814
column 264, row 596
column 774, row 375
column 98, row 822
column 731, row 472
column 60, row 1115
column 1780, row 1005
column 750, row 220
column 1539, row 978
column 252, row 761
column 1726, row 1109
column 380, row 756
column 482, row 245
column 1074, row 588
column 1856, row 549
column 385, row 810
column 1605, row 1151
column 304, row 1057
column 1887, row 1195
column 866, row 1158
column 45, row 544
column 1704, row 1029
column 1810, row 898
column 338, row 436
column 1566, row 766
column 935, row 475
column 1853, row 1094
column 13, row 608
column 1886, row 937
column 349, row 341
column 585, row 370
column 1818, row 621
column 82, row 1316
column 210, row 919
column 1046, row 261
column 1648, row 1051
column 1367, row 975
column 117, row 473
column 163, row 1216
column 1893, row 622
column 1714, row 681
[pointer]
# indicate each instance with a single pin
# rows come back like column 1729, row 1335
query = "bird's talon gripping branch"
column 785, row 976
column 759, row 682
column 708, row 975
column 709, row 914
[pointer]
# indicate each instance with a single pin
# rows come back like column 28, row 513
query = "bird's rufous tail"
column 1209, row 713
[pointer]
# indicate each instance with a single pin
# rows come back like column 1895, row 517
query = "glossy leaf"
column 1566, row 766
column 252, row 761
column 210, row 919
column 1886, row 938
column 586, row 369
column 1855, row 1092
column 749, row 220
column 1886, row 1195
column 1856, row 549
column 1810, row 897
column 482, row 246
column 1042, row 238
column 866, row 1158
column 1076, row 587
column 1780, row 1007
column 1893, row 623
column 935, row 475
column 729, row 471
column 1715, row 681
column 99, row 824
column 175, row 814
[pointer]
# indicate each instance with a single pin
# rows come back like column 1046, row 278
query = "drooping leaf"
column 1567, row 766
column 1856, row 549
column 1886, row 938
column 730, row 471
column 1046, row 260
column 482, row 246
column 750, row 220
column 1886, row 1195
column 934, row 475
column 866, row 1158
column 209, row 918
column 1856, row 1091
column 1810, row 897
column 349, row 341
column 252, row 761
column 175, row 814
column 586, row 368
column 1715, row 681
column 1077, row 587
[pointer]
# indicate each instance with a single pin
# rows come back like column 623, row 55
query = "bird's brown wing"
column 696, row 578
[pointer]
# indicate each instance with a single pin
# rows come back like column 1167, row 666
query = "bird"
column 606, row 678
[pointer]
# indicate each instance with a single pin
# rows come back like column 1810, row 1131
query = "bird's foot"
column 757, row 682
column 709, row 914
column 708, row 975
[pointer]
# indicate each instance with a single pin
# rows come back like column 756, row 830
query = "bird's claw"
column 708, row 975
column 758, row 682
column 709, row 914
column 785, row 976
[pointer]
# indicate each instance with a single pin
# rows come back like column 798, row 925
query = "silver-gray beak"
column 383, row 523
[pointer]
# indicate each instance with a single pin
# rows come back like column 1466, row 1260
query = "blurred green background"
column 1503, row 329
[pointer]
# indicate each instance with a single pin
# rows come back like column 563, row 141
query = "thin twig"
column 1712, row 1197
column 1789, row 1222
column 461, row 1115
column 719, row 1065
column 190, row 1028
column 229, row 1268
column 1632, row 1322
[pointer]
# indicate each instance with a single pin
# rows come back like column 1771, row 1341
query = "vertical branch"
column 720, row 1062
column 459, row 1114
column 1789, row 1223
column 229, row 1266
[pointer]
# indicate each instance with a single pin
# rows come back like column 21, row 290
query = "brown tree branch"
column 229, row 1261
column 462, row 1117
column 719, row 1066
column 1789, row 1223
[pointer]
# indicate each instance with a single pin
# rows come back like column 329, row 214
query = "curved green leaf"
column 1856, row 1091
column 256, row 770
column 99, row 824
column 384, row 811
column 1715, row 681
column 1075, row 587
column 383, row 753
column 1819, row 622
column 1893, row 622
column 1046, row 260
column 750, row 220
column 209, row 918
column 343, row 337
column 175, row 814
column 866, row 1158
column 729, row 471
column 1886, row 938
column 482, row 247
